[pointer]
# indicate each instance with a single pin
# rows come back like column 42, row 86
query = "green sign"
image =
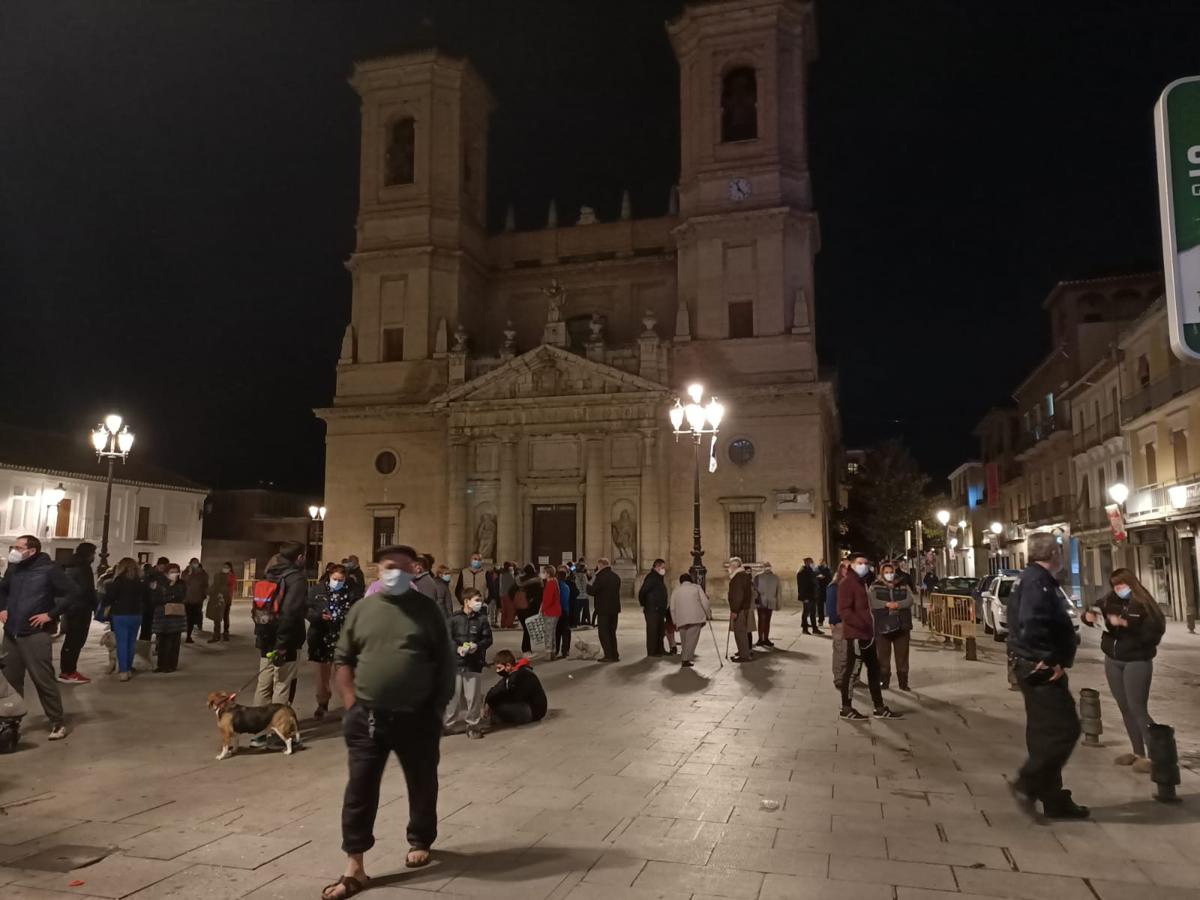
column 1177, row 132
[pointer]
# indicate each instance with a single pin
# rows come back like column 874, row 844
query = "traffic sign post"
column 1177, row 137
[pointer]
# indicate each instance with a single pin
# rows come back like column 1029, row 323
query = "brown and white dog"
column 233, row 720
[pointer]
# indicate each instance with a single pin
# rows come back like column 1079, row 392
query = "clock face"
column 739, row 189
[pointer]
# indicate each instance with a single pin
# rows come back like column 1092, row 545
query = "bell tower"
column 748, row 233
column 419, row 258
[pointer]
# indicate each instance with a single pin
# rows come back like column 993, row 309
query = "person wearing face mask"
column 170, row 618
column 1041, row 641
column 195, row 579
column 858, row 629
column 766, row 585
column 472, row 577
column 471, row 636
column 328, row 606
column 279, row 642
column 220, row 598
column 1133, row 627
column 550, row 608
column 34, row 594
column 396, row 671
column 891, row 605
column 653, row 599
column 441, row 590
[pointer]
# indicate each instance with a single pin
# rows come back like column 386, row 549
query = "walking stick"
column 727, row 634
column 716, row 646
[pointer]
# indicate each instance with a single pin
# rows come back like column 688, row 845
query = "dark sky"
column 178, row 191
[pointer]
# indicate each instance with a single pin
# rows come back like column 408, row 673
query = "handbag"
column 174, row 609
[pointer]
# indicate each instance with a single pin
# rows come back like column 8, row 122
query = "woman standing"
column 1133, row 627
column 530, row 587
column 441, row 591
column 891, row 605
column 170, row 618
column 125, row 600
column 328, row 605
column 551, row 607
column 220, row 596
column 690, row 611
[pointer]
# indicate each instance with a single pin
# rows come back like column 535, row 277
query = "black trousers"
column 606, row 630
column 168, row 652
column 195, row 617
column 1051, row 732
column 656, row 631
column 515, row 713
column 147, row 631
column 75, row 625
column 371, row 737
column 864, row 652
column 522, row 615
column 808, row 618
column 562, row 636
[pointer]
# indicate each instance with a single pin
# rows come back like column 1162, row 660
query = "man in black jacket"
column 653, row 600
column 605, row 590
column 34, row 593
column 279, row 643
column 518, row 698
column 1041, row 641
column 806, row 592
column 77, row 620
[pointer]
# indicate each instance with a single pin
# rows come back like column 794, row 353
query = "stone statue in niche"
column 596, row 329
column 485, row 536
column 556, row 296
column 624, row 535
column 460, row 340
column 649, row 320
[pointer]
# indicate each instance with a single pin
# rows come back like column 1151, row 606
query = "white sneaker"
column 58, row 732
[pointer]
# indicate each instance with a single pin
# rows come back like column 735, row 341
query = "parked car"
column 995, row 607
column 956, row 584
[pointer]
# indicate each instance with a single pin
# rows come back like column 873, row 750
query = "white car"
column 995, row 607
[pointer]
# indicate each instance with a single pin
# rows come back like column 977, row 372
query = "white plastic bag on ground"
column 585, row 650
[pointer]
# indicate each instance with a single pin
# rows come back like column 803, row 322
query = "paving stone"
column 890, row 871
column 168, row 843
column 1080, row 865
column 947, row 853
column 18, row 892
column 792, row 887
column 206, row 883
column 115, row 876
column 1125, row 890
column 615, row 869
column 737, row 884
column 828, row 842
column 767, row 859
column 1021, row 885
column 242, row 851
column 1185, row 875
column 21, row 826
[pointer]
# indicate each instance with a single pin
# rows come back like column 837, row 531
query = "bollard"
column 1164, row 761
column 1089, row 712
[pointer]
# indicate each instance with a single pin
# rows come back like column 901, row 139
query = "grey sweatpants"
column 32, row 655
column 467, row 702
column 1130, row 686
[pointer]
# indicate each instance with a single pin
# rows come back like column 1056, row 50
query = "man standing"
column 423, row 579
column 653, row 600
column 77, row 621
column 28, row 608
column 1041, row 640
column 605, row 590
column 858, row 628
column 396, row 674
column 741, row 606
column 279, row 642
column 355, row 580
column 471, row 578
column 824, row 579
column 766, row 583
column 806, row 592
column 195, row 581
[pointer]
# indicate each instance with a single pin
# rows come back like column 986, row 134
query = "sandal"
column 416, row 858
column 352, row 886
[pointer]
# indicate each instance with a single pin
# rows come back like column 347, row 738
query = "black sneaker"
column 1065, row 808
column 884, row 713
column 686, row 664
column 851, row 714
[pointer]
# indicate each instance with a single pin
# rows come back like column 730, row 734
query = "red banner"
column 993, row 485
column 1117, row 522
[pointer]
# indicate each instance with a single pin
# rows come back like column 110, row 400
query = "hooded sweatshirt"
column 286, row 635
column 519, row 686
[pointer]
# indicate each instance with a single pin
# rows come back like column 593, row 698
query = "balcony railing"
column 1091, row 517
column 1046, row 510
column 1095, row 432
column 1178, row 381
column 1155, row 500
column 1039, row 431
column 155, row 533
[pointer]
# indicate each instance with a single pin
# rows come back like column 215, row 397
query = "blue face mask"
column 336, row 585
column 476, row 564
column 1125, row 592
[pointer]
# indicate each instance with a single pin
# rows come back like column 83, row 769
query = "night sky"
column 178, row 189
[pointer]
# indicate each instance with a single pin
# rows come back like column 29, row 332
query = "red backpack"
column 264, row 609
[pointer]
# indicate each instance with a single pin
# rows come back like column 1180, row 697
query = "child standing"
column 471, row 635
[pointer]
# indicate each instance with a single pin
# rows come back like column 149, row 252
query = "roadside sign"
column 1177, row 139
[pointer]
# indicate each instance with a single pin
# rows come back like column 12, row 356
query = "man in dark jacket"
column 354, row 574
column 279, row 643
column 1041, row 640
column 741, row 606
column 518, row 698
column 653, row 600
column 807, row 592
column 34, row 593
column 605, row 591
column 470, row 635
column 858, row 629
column 78, row 619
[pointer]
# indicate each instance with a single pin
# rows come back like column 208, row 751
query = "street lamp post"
column 318, row 516
column 996, row 528
column 112, row 441
column 943, row 517
column 697, row 421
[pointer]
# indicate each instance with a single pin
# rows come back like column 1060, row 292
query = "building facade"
column 153, row 512
column 507, row 393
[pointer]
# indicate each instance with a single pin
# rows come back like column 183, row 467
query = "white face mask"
column 861, row 570
column 661, row 571
column 475, row 605
column 15, row 556
column 395, row 581
column 888, row 576
column 336, row 585
column 172, row 576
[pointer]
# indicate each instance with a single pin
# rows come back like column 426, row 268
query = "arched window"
column 399, row 156
column 739, row 105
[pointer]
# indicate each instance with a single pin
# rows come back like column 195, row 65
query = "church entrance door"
column 553, row 533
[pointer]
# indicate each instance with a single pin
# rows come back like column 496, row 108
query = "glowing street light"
column 1119, row 493
column 996, row 528
column 112, row 440
column 697, row 420
column 943, row 516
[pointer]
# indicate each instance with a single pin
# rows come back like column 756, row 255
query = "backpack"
column 268, row 595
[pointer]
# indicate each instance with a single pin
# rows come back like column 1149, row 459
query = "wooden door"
column 553, row 533
column 62, row 524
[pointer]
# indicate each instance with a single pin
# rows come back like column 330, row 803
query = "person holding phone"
column 1133, row 627
column 1041, row 641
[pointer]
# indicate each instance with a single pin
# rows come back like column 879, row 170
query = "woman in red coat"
column 858, row 628
column 551, row 608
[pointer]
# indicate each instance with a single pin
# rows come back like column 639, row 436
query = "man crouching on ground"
column 396, row 674
column 518, row 697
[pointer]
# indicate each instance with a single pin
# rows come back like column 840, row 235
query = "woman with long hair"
column 328, row 605
column 1133, row 626
column 125, row 599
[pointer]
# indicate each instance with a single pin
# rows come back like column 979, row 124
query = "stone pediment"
column 548, row 371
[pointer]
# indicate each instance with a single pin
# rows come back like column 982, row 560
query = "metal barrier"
column 952, row 616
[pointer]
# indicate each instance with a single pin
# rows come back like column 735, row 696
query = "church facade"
column 508, row 393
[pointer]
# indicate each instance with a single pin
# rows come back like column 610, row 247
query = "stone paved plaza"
column 646, row 781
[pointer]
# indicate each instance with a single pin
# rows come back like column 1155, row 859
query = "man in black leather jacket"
column 1041, row 641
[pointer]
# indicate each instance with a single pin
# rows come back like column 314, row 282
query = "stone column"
column 595, row 526
column 508, row 532
column 649, row 537
column 456, row 506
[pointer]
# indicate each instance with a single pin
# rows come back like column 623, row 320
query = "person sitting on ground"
column 470, row 635
column 518, row 697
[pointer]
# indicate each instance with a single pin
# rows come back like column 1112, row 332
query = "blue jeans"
column 126, row 628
